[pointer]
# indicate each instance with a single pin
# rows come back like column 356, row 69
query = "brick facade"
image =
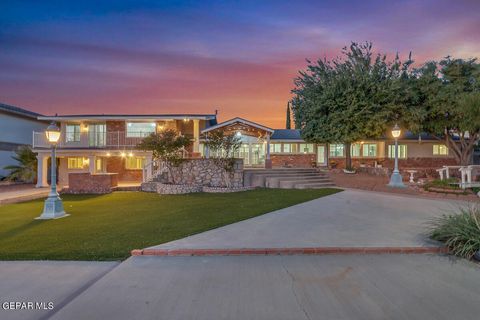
column 293, row 160
column 94, row 184
column 117, row 165
column 389, row 163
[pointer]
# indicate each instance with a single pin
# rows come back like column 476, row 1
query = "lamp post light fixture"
column 53, row 207
column 396, row 178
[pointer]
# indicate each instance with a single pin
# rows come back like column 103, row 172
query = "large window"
column 275, row 147
column 355, row 150
column 76, row 162
column 402, row 151
column 369, row 149
column 134, row 163
column 72, row 133
column 140, row 129
column 290, row 148
column 336, row 150
column 306, row 148
column 440, row 150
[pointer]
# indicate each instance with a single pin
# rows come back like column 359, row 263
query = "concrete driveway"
column 346, row 219
column 283, row 287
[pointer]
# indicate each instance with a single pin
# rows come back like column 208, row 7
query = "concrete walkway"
column 347, row 219
column 24, row 194
column 58, row 282
column 283, row 287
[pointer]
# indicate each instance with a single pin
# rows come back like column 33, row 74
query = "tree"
column 347, row 99
column 26, row 170
column 288, row 124
column 448, row 100
column 166, row 146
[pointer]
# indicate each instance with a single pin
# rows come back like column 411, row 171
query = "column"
column 268, row 161
column 91, row 164
column 42, row 170
column 196, row 135
column 148, row 168
column 207, row 148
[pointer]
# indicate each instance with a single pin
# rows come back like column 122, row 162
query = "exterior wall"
column 64, row 172
column 91, row 183
column 293, row 160
column 117, row 165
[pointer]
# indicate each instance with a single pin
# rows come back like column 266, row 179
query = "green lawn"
column 108, row 227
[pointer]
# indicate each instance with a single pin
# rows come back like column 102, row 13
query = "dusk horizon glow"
column 147, row 57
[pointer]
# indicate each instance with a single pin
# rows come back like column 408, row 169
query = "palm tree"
column 26, row 170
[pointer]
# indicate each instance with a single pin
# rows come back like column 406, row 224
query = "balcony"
column 92, row 140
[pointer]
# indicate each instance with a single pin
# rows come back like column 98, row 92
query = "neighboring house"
column 96, row 145
column 16, row 126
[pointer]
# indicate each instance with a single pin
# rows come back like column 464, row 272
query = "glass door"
column 97, row 135
column 321, row 160
column 258, row 154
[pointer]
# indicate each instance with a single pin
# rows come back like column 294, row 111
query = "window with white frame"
column 402, row 151
column 76, row 162
column 140, row 129
column 290, row 148
column 306, row 148
column 275, row 147
column 355, row 150
column 369, row 150
column 440, row 150
column 336, row 150
column 72, row 132
column 134, row 163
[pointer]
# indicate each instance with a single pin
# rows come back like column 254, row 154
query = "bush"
column 460, row 232
column 450, row 183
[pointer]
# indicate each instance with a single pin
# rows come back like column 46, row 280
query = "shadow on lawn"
column 20, row 229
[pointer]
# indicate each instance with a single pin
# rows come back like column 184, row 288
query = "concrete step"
column 264, row 180
column 290, row 184
column 273, row 181
column 316, row 185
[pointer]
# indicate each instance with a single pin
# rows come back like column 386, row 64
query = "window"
column 336, row 150
column 402, row 151
column 76, row 162
column 140, row 129
column 369, row 149
column 134, row 163
column 276, row 147
column 355, row 150
column 306, row 147
column 290, row 148
column 72, row 133
column 99, row 165
column 440, row 150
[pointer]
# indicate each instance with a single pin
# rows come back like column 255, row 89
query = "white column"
column 91, row 164
column 148, row 169
column 207, row 149
column 268, row 146
column 42, row 170
column 196, row 135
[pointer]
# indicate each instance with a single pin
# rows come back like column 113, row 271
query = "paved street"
column 350, row 218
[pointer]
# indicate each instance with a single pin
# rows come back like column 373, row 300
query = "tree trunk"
column 463, row 149
column 348, row 156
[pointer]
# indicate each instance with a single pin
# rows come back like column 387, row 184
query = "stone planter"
column 166, row 188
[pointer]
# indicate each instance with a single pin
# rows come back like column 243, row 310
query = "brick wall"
column 115, row 126
column 87, row 183
column 293, row 160
column 117, row 165
column 403, row 163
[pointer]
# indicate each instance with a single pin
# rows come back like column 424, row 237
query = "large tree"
column 356, row 96
column 447, row 97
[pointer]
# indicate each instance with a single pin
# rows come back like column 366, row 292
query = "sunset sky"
column 239, row 57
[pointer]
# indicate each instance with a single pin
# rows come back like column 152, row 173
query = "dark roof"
column 19, row 111
column 286, row 134
column 128, row 116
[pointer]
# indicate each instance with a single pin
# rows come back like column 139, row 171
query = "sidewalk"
column 24, row 194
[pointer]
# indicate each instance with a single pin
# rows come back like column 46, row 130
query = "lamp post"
column 396, row 178
column 53, row 207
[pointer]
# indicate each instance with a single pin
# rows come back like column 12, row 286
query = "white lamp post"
column 396, row 178
column 53, row 207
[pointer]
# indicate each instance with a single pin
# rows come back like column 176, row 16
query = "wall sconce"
column 160, row 127
column 186, row 119
column 108, row 154
column 130, row 154
column 123, row 154
column 84, row 127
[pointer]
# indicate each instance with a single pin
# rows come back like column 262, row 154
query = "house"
column 16, row 126
column 99, row 146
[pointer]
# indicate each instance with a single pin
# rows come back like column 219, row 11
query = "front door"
column 321, row 159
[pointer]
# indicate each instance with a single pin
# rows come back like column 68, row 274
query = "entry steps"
column 286, row 178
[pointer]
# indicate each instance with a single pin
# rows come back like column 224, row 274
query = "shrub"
column 460, row 232
column 450, row 183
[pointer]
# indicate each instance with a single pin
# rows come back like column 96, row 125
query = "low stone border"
column 288, row 251
column 225, row 190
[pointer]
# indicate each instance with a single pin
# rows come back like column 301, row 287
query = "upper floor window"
column 140, row 129
column 402, row 151
column 355, row 150
column 369, row 149
column 336, row 150
column 72, row 133
column 440, row 150
column 306, row 148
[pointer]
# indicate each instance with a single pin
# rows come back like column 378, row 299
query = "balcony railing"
column 111, row 140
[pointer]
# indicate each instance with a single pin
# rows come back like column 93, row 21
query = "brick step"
column 289, row 184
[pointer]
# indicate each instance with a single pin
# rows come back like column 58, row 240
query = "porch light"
column 123, row 154
column 108, row 154
column 130, row 154
column 53, row 133
column 160, row 127
column 238, row 134
column 396, row 131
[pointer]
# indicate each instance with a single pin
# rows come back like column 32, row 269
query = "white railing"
column 153, row 169
column 111, row 139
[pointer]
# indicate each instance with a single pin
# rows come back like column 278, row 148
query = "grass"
column 460, row 232
column 450, row 183
column 108, row 227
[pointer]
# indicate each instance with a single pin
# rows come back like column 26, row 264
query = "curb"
column 288, row 251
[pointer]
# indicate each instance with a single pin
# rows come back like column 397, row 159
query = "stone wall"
column 207, row 172
column 293, row 160
column 91, row 183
